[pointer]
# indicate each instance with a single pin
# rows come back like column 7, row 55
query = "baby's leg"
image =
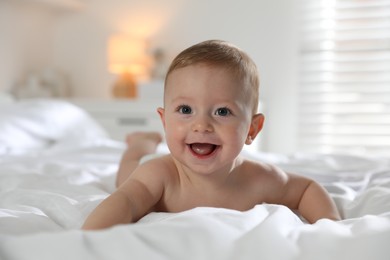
column 139, row 144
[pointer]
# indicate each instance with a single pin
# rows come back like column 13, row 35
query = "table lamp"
column 128, row 60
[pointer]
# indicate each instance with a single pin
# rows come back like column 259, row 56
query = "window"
column 344, row 99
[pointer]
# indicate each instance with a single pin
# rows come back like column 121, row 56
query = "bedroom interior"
column 73, row 39
column 69, row 94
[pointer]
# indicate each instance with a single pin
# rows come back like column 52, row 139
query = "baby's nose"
column 202, row 124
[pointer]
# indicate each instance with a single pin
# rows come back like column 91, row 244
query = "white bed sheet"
column 46, row 194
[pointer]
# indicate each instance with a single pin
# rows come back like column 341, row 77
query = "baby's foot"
column 140, row 144
column 137, row 137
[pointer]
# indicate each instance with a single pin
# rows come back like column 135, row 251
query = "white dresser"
column 122, row 116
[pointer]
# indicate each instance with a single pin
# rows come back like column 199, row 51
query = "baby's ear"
column 255, row 128
column 161, row 112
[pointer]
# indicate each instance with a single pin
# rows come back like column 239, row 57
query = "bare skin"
column 139, row 144
column 158, row 185
column 208, row 116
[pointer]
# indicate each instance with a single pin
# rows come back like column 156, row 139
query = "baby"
column 210, row 111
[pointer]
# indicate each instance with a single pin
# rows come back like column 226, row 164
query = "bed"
column 57, row 164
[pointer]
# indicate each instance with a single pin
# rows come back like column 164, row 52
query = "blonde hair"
column 224, row 54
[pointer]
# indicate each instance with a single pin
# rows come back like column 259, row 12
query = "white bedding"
column 48, row 188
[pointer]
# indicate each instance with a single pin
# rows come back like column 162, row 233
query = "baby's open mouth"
column 203, row 148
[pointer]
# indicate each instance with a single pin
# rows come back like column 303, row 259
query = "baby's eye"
column 223, row 111
column 184, row 109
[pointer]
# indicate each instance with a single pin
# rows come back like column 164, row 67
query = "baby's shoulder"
column 258, row 166
column 261, row 170
column 160, row 166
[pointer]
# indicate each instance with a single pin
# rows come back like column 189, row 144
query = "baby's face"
column 207, row 116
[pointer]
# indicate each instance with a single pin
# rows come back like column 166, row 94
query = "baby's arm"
column 130, row 202
column 312, row 200
column 316, row 204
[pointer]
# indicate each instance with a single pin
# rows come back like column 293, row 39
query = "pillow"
column 39, row 123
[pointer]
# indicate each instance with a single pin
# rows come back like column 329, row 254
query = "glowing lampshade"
column 127, row 58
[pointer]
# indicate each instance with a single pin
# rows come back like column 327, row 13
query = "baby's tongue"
column 202, row 149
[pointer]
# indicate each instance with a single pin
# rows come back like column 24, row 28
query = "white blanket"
column 46, row 194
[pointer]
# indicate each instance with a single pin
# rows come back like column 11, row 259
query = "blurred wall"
column 26, row 35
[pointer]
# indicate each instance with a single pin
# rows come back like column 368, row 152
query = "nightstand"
column 122, row 116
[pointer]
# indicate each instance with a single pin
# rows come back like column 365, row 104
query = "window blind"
column 344, row 99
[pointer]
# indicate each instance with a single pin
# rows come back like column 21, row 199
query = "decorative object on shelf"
column 160, row 64
column 48, row 83
column 127, row 58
